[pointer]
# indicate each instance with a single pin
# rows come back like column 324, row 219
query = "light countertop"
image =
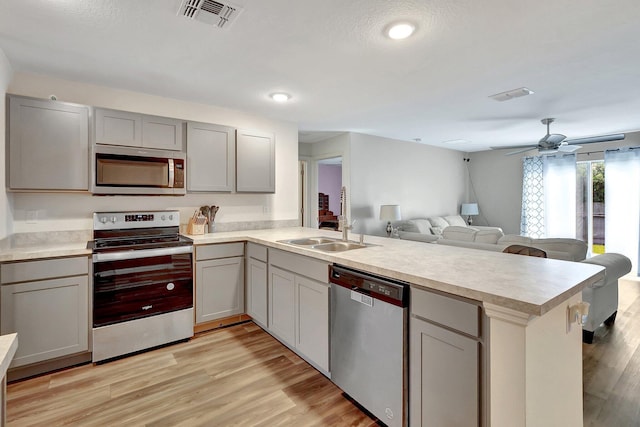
column 528, row 284
column 8, row 347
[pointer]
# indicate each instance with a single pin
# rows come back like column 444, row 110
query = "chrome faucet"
column 344, row 222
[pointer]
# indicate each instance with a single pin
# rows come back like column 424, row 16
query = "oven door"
column 134, row 284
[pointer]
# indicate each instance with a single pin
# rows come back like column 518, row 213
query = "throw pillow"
column 438, row 224
column 456, row 220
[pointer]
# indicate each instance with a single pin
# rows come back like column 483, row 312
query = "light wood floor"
column 242, row 376
column 238, row 376
column 611, row 366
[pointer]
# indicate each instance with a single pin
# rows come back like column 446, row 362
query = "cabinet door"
column 257, row 291
column 219, row 288
column 255, row 162
column 162, row 133
column 51, row 318
column 48, row 145
column 282, row 304
column 312, row 320
column 118, row 128
column 444, row 377
column 211, row 157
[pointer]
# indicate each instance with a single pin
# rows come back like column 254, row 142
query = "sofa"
column 454, row 231
column 603, row 295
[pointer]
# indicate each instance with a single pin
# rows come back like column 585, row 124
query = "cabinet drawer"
column 43, row 269
column 302, row 265
column 258, row 252
column 223, row 250
column 450, row 312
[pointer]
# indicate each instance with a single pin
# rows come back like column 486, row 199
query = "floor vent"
column 211, row 12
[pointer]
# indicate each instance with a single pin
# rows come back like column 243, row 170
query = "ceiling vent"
column 511, row 94
column 221, row 15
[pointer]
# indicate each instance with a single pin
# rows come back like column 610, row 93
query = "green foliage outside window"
column 598, row 182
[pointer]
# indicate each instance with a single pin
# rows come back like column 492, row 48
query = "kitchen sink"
column 325, row 244
column 310, row 241
column 338, row 246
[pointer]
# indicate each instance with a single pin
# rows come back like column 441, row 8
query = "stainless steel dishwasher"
column 369, row 336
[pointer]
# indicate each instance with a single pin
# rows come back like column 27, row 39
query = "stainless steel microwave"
column 131, row 170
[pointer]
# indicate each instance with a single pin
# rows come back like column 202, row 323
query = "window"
column 590, row 218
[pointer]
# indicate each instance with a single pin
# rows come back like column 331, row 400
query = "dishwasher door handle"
column 361, row 297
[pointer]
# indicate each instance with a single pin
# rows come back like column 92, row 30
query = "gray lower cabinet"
column 444, row 361
column 219, row 281
column 298, row 307
column 47, row 303
column 255, row 161
column 114, row 127
column 48, row 145
column 257, row 279
column 211, row 157
column 282, row 304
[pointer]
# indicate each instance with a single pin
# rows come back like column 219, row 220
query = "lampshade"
column 390, row 212
column 469, row 209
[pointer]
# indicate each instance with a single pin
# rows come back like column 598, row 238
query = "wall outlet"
column 31, row 217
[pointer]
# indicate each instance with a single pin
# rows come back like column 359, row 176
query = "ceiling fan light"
column 566, row 148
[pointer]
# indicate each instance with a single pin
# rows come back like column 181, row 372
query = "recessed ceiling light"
column 400, row 30
column 280, row 97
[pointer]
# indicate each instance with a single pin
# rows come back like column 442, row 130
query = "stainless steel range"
column 142, row 282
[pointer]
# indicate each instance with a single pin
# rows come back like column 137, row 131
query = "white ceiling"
column 581, row 58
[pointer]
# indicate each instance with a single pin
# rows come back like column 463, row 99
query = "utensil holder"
column 193, row 228
column 212, row 227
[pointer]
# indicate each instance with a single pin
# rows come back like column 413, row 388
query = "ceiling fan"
column 556, row 142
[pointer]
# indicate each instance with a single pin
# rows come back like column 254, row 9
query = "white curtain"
column 622, row 203
column 559, row 177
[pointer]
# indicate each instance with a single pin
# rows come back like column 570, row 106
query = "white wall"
column 5, row 212
column 73, row 211
column 497, row 180
column 423, row 180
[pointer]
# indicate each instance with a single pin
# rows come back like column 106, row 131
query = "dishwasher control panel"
column 390, row 290
column 381, row 288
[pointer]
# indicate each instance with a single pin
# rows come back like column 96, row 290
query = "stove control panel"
column 120, row 220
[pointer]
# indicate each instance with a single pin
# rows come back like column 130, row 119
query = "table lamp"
column 469, row 209
column 389, row 213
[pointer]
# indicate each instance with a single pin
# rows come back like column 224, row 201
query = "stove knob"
column 103, row 219
column 170, row 217
column 114, row 219
column 163, row 217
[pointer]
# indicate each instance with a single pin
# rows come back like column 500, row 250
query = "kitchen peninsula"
column 533, row 357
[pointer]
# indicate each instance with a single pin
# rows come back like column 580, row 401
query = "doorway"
column 329, row 187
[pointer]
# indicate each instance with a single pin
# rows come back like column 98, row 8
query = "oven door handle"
column 141, row 253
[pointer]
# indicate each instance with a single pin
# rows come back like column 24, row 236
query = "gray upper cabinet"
column 48, row 145
column 115, row 127
column 118, row 128
column 211, row 157
column 255, row 162
column 161, row 132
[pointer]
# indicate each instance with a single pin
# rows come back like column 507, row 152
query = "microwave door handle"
column 172, row 173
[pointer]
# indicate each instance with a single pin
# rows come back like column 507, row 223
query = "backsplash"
column 74, row 236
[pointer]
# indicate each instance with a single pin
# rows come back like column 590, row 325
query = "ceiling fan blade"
column 522, row 150
column 594, row 139
column 513, row 147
